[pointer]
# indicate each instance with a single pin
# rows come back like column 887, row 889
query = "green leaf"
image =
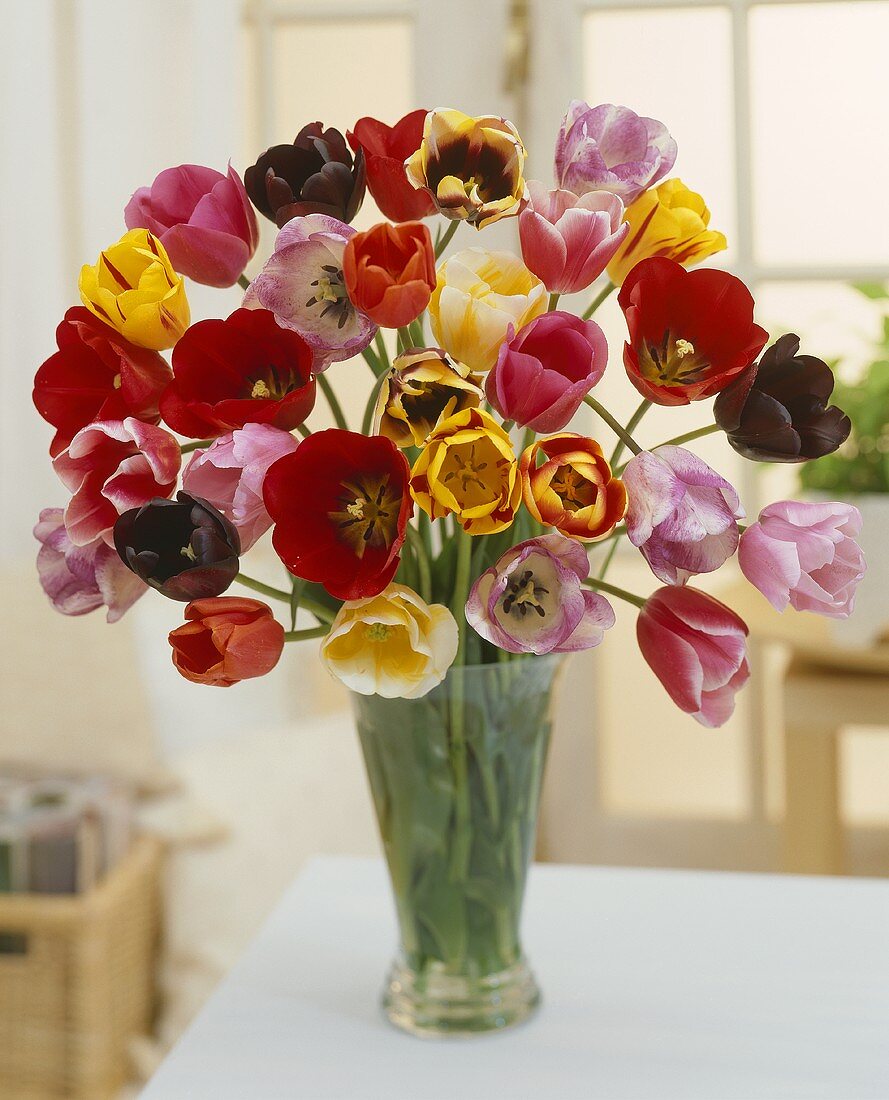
column 875, row 291
column 295, row 596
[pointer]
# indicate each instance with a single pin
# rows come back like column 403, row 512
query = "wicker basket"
column 76, row 982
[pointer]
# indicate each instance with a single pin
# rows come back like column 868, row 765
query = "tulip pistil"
column 523, row 596
column 675, row 362
column 377, row 632
column 331, row 294
column 368, row 516
column 573, row 489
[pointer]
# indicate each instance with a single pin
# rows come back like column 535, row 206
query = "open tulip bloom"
column 471, row 514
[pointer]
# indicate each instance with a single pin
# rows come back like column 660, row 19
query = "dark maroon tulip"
column 777, row 410
column 314, row 175
column 183, row 548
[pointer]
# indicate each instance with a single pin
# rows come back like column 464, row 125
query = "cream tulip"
column 479, row 295
column 393, row 644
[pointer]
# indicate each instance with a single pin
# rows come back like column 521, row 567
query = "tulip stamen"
column 116, row 383
column 331, row 293
column 523, row 596
column 368, row 517
column 188, row 552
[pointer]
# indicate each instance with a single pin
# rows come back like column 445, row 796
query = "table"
column 657, row 984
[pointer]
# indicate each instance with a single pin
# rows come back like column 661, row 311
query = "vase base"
column 438, row 1005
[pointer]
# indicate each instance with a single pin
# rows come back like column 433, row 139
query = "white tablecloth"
column 657, row 984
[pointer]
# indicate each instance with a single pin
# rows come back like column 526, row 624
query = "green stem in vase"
column 371, row 405
column 553, row 301
column 460, row 851
column 608, row 289
column 632, row 424
column 317, row 609
column 335, row 407
column 380, row 345
column 243, row 281
column 698, row 433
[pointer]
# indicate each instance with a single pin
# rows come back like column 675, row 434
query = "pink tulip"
column 111, row 466
column 531, row 600
column 569, row 241
column 696, row 646
column 203, row 219
column 544, row 370
column 79, row 579
column 681, row 514
column 229, row 474
column 804, row 554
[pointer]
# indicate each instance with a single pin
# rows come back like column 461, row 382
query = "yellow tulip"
column 134, row 289
column 468, row 469
column 423, row 388
column 393, row 644
column 479, row 294
column 670, row 221
column 472, row 167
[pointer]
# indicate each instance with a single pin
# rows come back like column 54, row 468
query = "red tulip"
column 96, row 375
column 691, row 332
column 243, row 370
column 202, row 218
column 389, row 272
column 696, row 646
column 340, row 504
column 225, row 640
column 386, row 148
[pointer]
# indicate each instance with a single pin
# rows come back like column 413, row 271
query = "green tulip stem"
column 373, row 362
column 445, row 239
column 420, row 555
column 458, row 750
column 371, row 405
column 382, row 353
column 553, row 301
column 243, row 281
column 623, row 434
column 335, row 407
column 304, row 430
column 318, row 610
column 195, row 445
column 632, row 424
column 698, row 433
column 304, row 635
column 608, row 289
column 613, row 590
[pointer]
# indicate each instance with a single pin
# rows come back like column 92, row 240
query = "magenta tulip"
column 230, row 473
column 544, row 370
column 531, row 600
column 202, row 218
column 80, row 579
column 697, row 648
column 804, row 554
column 569, row 241
column 681, row 514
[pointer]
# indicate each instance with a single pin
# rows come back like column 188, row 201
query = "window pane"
column 675, row 53
column 819, row 88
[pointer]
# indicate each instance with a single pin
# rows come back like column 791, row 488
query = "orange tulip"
column 573, row 489
column 226, row 639
column 389, row 272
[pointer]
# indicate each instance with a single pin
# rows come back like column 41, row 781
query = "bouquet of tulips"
column 454, row 524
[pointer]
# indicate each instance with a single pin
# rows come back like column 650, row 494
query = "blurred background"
column 779, row 110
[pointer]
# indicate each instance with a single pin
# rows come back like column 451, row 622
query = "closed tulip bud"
column 225, row 640
column 133, row 288
column 185, row 548
column 697, row 648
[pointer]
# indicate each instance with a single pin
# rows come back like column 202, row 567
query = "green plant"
column 861, row 465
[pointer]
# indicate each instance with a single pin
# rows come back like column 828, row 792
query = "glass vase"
column 455, row 778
